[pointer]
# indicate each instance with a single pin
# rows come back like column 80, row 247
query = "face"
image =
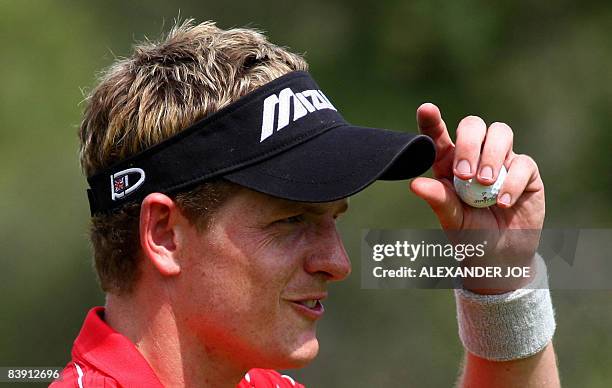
column 252, row 286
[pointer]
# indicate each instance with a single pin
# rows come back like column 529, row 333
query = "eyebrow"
column 320, row 209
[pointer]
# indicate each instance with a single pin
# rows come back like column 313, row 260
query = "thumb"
column 441, row 197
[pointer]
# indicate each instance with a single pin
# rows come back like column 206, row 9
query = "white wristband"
column 509, row 326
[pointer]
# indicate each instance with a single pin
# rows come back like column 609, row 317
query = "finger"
column 442, row 199
column 523, row 176
column 431, row 124
column 470, row 135
column 497, row 146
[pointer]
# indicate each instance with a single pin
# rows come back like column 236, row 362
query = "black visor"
column 285, row 139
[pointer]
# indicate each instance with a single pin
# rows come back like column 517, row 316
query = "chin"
column 303, row 356
column 292, row 358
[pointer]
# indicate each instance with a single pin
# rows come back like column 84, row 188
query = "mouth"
column 310, row 303
column 311, row 308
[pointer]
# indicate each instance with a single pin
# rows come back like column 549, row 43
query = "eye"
column 293, row 219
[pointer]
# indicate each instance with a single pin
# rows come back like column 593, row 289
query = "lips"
column 310, row 303
column 311, row 306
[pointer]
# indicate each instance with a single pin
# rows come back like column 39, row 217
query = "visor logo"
column 120, row 182
column 301, row 103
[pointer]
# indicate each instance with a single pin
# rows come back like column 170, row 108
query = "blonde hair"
column 161, row 89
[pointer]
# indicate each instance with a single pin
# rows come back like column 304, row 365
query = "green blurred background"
column 543, row 67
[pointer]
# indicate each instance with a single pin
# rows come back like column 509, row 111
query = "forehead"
column 260, row 203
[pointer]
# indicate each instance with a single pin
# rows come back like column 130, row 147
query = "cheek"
column 238, row 270
column 235, row 279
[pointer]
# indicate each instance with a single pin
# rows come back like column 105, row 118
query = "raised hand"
column 479, row 152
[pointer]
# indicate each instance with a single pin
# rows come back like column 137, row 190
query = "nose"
column 327, row 254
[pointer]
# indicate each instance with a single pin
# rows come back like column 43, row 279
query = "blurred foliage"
column 543, row 67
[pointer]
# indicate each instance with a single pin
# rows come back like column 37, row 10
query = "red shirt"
column 102, row 357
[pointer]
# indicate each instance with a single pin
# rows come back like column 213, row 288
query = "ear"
column 158, row 232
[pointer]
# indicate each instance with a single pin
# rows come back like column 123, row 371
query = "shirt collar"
column 112, row 353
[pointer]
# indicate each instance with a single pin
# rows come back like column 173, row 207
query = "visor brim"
column 339, row 163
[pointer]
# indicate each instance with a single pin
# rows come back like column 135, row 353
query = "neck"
column 178, row 358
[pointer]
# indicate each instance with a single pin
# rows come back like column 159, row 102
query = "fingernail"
column 463, row 167
column 486, row 172
column 505, row 199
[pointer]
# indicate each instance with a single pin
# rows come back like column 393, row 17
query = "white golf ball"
column 477, row 195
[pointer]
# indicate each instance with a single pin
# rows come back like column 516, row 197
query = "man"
column 217, row 168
